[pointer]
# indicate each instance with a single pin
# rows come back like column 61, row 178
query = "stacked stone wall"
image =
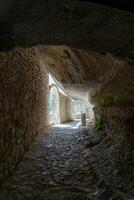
column 23, row 104
column 65, row 109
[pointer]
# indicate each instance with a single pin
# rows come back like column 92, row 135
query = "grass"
column 98, row 125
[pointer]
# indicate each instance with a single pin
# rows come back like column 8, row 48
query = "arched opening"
column 54, row 112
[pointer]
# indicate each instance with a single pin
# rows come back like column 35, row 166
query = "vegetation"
column 98, row 125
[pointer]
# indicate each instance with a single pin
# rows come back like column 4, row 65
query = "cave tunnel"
column 66, row 100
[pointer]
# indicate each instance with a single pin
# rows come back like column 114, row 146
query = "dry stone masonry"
column 23, row 104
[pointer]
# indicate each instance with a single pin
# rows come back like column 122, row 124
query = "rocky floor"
column 64, row 164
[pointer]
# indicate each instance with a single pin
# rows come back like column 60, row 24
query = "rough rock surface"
column 23, row 105
column 61, row 166
column 74, row 23
column 88, row 75
column 118, row 124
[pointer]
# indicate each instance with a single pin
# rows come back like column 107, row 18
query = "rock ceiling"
column 74, row 23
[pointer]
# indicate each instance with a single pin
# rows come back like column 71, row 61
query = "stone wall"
column 62, row 108
column 65, row 109
column 23, row 104
column 68, row 107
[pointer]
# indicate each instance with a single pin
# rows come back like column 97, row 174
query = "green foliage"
column 98, row 125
